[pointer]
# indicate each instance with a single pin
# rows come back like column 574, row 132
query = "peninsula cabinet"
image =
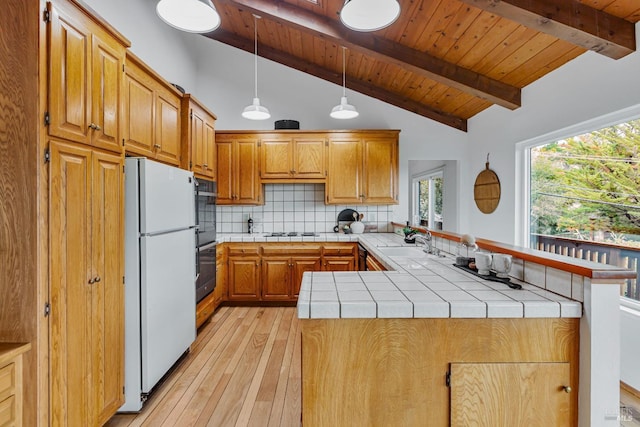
column 85, row 78
column 238, row 172
column 86, row 352
column 292, row 157
column 198, row 138
column 151, row 114
column 362, row 168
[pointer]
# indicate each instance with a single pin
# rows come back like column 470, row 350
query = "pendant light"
column 192, row 16
column 255, row 111
column 344, row 110
column 369, row 15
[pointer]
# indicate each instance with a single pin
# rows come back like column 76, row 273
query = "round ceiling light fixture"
column 369, row 15
column 192, row 16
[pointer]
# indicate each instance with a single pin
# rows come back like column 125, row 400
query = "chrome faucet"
column 426, row 240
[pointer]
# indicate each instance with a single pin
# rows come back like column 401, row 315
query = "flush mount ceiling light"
column 344, row 110
column 255, row 111
column 193, row 16
column 369, row 15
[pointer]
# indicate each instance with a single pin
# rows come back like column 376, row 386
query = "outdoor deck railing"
column 621, row 256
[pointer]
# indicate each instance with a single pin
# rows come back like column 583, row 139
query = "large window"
column 584, row 197
column 427, row 197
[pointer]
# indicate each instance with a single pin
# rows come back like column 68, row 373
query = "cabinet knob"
column 205, row 166
column 157, row 146
column 567, row 389
column 91, row 281
column 94, row 126
column 97, row 279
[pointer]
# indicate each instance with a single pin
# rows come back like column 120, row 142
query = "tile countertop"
column 417, row 286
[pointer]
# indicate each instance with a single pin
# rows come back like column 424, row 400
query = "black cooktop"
column 291, row 234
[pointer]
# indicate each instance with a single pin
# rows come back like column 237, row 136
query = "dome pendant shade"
column 256, row 111
column 192, row 16
column 344, row 110
column 369, row 15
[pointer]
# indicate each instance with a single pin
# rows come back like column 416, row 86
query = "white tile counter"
column 420, row 286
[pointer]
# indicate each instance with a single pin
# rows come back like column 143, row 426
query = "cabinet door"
column 248, row 186
column 198, row 150
column 107, row 307
column 224, row 160
column 510, row 394
column 70, row 75
column 300, row 265
column 344, row 171
column 221, row 275
column 276, row 278
column 138, row 112
column 276, row 158
column 346, row 263
column 209, row 166
column 107, row 57
column 380, row 183
column 70, row 291
column 308, row 158
column 167, row 136
column 244, row 278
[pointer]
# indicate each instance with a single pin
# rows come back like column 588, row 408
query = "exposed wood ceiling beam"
column 568, row 20
column 331, row 76
column 417, row 62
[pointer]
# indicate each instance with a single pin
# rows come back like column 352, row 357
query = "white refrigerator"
column 160, row 273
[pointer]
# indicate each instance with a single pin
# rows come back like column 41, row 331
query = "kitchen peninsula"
column 425, row 343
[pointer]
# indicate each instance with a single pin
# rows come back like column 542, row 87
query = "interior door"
column 510, row 394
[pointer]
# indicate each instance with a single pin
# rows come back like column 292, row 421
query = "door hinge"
column 123, row 142
column 123, row 67
column 123, row 390
column 47, row 309
column 46, row 16
column 326, row 173
column 191, row 115
column 190, row 165
column 326, row 142
column 122, row 168
column 447, row 379
column 123, row 280
column 47, row 155
column 47, row 118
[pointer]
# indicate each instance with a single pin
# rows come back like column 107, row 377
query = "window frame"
column 438, row 172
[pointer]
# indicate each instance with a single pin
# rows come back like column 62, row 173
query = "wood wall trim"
column 626, row 387
column 590, row 269
column 569, row 20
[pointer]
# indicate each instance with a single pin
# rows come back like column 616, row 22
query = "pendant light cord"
column 344, row 71
column 255, row 55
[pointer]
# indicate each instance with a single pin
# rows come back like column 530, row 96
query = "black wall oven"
column 205, row 238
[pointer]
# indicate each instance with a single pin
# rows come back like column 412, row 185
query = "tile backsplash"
column 297, row 207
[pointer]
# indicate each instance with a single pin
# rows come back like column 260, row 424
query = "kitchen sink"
column 409, row 251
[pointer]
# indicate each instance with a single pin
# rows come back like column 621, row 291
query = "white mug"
column 483, row 262
column 501, row 264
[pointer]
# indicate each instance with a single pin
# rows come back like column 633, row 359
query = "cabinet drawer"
column 345, row 249
column 240, row 250
column 293, row 251
column 7, row 381
column 8, row 411
column 205, row 309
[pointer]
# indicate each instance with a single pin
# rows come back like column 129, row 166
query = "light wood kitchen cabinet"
column 86, row 284
column 292, row 157
column 85, row 75
column 513, row 394
column 373, row 264
column 221, row 275
column 238, row 172
column 198, row 138
column 205, row 308
column 283, row 267
column 151, row 114
column 339, row 257
column 244, row 273
column 11, row 387
column 362, row 168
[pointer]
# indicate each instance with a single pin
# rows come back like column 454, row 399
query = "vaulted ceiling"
column 443, row 59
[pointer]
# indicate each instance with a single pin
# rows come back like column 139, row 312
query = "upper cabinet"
column 238, row 174
column 362, row 168
column 151, row 114
column 293, row 157
column 85, row 78
column 198, row 138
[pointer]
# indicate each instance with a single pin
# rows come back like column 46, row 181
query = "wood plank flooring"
column 243, row 370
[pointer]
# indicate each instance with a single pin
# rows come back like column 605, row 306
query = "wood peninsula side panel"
column 393, row 371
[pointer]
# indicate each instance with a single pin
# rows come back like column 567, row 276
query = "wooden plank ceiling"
column 443, row 59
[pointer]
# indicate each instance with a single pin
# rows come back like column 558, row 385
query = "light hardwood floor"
column 243, row 369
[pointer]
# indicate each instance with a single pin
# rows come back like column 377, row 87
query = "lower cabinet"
column 373, row 264
column 205, row 309
column 273, row 271
column 510, row 394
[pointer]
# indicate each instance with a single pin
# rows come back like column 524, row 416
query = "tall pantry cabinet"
column 86, row 196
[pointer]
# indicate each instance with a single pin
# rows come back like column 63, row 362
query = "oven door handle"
column 207, row 246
